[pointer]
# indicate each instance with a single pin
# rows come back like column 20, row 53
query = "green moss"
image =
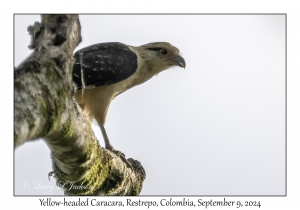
column 98, row 177
column 32, row 127
column 48, row 64
column 52, row 73
column 68, row 129
column 44, row 110
column 98, row 172
column 57, row 112
column 31, row 123
column 18, row 85
column 137, row 189
column 95, row 177
column 52, row 115
column 89, row 151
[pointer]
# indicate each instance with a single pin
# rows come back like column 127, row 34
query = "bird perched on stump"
column 103, row 71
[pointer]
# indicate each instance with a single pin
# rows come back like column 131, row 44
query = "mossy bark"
column 45, row 108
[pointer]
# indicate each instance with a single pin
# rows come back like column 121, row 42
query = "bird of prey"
column 103, row 71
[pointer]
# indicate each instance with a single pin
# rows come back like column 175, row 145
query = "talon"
column 110, row 147
column 122, row 156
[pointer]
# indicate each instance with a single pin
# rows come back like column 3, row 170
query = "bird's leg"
column 106, row 140
column 110, row 147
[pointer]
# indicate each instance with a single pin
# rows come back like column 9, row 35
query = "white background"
column 202, row 163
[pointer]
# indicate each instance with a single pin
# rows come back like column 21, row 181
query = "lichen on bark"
column 45, row 108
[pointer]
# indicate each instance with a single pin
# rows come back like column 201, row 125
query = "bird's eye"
column 154, row 48
column 164, row 51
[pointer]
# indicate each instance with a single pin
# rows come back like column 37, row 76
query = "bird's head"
column 160, row 56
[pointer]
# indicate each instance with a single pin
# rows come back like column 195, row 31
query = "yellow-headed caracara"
column 103, row 71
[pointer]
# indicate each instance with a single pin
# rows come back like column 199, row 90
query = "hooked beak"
column 179, row 61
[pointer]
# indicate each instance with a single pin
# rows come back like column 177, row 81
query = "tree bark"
column 45, row 108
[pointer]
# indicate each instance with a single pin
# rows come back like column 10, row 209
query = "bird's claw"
column 122, row 156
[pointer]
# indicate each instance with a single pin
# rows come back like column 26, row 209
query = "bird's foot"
column 121, row 155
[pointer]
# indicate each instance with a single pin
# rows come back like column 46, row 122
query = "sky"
column 216, row 127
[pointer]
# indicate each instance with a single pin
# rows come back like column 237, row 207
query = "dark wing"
column 103, row 64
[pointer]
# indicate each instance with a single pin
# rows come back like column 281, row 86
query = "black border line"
column 170, row 14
